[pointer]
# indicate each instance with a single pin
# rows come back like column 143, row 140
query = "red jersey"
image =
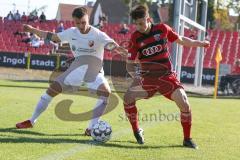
column 151, row 49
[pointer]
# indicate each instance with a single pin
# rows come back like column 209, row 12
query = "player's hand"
column 27, row 28
column 121, row 50
column 206, row 44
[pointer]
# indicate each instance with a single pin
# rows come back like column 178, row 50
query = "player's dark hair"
column 79, row 12
column 140, row 11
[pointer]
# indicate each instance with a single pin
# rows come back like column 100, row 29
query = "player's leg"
column 130, row 109
column 103, row 91
column 181, row 99
column 58, row 86
column 171, row 88
column 68, row 81
column 54, row 89
column 134, row 93
column 41, row 106
column 132, row 115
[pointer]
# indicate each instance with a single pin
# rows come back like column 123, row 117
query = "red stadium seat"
column 228, row 40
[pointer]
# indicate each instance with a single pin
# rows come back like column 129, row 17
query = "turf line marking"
column 61, row 155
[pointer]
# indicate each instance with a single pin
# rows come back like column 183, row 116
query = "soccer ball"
column 101, row 131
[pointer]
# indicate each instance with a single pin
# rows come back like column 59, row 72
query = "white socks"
column 46, row 99
column 98, row 110
column 41, row 106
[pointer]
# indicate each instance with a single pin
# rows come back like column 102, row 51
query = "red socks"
column 131, row 113
column 186, row 121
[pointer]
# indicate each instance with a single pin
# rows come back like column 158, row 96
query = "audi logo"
column 152, row 50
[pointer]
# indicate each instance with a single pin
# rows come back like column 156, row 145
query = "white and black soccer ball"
column 101, row 131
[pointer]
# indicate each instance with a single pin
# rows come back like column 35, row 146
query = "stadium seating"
column 229, row 42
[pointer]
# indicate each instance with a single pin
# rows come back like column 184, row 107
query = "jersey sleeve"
column 65, row 35
column 105, row 39
column 171, row 35
column 132, row 50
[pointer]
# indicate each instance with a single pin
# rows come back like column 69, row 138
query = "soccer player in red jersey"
column 149, row 49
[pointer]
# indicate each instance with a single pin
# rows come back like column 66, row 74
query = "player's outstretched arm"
column 122, row 51
column 50, row 36
column 113, row 46
column 185, row 41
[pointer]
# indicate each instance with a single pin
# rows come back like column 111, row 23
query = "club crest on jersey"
column 157, row 37
column 91, row 43
column 73, row 48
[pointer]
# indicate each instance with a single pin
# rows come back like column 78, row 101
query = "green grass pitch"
column 216, row 129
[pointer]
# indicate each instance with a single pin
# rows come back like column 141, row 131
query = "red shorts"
column 165, row 85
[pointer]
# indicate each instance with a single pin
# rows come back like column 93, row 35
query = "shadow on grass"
column 29, row 132
column 134, row 145
column 17, row 86
column 32, row 81
column 81, row 141
column 51, row 139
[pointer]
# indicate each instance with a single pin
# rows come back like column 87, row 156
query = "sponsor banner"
column 188, row 74
column 65, row 62
column 43, row 62
column 114, row 68
column 13, row 60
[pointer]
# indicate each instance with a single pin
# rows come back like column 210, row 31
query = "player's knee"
column 104, row 99
column 185, row 104
column 186, row 108
column 108, row 92
column 128, row 99
column 54, row 89
column 104, row 90
column 104, row 93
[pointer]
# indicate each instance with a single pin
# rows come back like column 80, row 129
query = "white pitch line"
column 61, row 155
column 78, row 148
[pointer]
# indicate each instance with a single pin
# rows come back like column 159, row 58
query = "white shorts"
column 100, row 79
column 76, row 76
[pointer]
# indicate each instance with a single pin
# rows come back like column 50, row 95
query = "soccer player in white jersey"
column 87, row 44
